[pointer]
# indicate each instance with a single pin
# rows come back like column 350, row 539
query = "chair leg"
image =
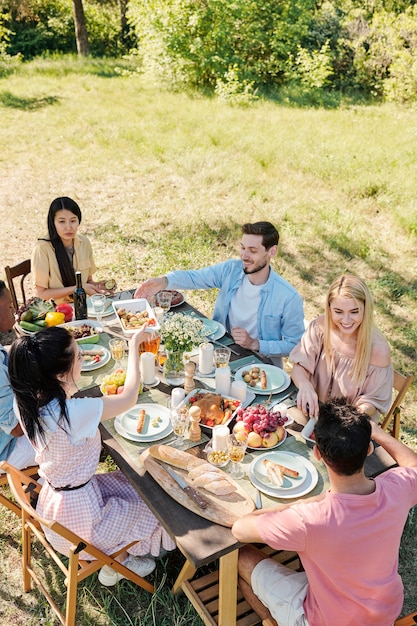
column 72, row 583
column 26, row 556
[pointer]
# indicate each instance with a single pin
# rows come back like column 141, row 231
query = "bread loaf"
column 205, row 479
column 220, row 487
column 169, row 455
column 201, row 469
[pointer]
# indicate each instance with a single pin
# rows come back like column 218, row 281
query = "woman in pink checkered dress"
column 104, row 509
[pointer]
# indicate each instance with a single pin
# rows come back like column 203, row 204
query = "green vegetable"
column 33, row 328
column 27, row 316
column 36, row 307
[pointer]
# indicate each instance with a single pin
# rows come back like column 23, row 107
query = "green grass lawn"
column 165, row 180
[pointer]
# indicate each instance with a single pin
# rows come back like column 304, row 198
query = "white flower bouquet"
column 181, row 332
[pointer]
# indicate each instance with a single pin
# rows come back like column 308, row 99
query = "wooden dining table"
column 203, row 542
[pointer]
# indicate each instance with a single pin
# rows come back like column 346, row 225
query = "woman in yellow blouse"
column 56, row 258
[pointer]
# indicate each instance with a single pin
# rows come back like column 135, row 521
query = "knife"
column 190, row 491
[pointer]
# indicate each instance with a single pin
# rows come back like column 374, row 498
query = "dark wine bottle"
column 80, row 299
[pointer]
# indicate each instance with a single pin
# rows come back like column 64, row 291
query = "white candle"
column 220, row 437
column 222, row 379
column 177, row 396
column 238, row 390
column 205, row 358
column 147, row 366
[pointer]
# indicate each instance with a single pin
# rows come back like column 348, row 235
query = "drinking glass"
column 163, row 299
column 117, row 348
column 221, row 357
column 236, row 448
column 150, row 344
column 179, row 420
column 98, row 302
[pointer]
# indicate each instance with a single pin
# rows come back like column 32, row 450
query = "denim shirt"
column 280, row 313
column 8, row 419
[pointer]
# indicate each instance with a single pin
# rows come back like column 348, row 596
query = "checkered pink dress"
column 107, row 511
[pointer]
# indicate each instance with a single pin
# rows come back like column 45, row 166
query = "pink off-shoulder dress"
column 376, row 388
column 107, row 511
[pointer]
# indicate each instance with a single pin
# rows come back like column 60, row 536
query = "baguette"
column 176, row 458
column 205, row 479
column 220, row 487
column 274, row 473
column 200, row 470
column 141, row 421
column 264, row 382
column 286, row 471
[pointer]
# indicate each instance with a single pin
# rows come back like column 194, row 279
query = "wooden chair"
column 7, row 502
column 20, row 270
column 407, row 620
column 401, row 385
column 76, row 570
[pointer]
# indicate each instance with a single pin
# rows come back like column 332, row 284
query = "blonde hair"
column 350, row 286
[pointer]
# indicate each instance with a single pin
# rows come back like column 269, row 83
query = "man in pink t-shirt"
column 347, row 538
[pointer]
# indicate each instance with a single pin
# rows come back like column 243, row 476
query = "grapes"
column 258, row 419
column 115, row 378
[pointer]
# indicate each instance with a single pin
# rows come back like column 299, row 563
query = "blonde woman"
column 343, row 355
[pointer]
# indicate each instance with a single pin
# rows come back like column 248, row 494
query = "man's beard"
column 256, row 269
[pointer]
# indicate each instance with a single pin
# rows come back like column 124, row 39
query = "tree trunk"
column 81, row 34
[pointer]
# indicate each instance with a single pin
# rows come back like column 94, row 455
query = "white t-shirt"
column 244, row 308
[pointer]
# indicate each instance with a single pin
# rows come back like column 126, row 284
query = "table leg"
column 228, row 589
column 187, row 572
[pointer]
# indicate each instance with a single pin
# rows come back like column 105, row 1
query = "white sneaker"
column 140, row 566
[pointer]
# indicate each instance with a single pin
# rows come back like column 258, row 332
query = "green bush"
column 198, row 41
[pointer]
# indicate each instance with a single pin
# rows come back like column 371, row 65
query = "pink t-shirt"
column 349, row 545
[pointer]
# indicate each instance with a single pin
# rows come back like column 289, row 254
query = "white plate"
column 294, row 461
column 277, row 379
column 107, row 311
column 153, row 411
column 218, row 334
column 89, row 366
column 272, row 447
column 119, row 428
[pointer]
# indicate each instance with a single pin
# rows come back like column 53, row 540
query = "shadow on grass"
column 7, row 99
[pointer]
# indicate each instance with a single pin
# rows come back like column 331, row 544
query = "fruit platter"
column 263, row 428
column 114, row 382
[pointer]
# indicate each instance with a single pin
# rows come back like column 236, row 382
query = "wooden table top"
column 200, row 540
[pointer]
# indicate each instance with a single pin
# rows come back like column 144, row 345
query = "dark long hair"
column 35, row 362
column 65, row 266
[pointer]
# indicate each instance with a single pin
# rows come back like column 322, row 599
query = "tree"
column 81, row 34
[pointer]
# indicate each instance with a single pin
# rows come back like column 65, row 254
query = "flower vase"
column 174, row 368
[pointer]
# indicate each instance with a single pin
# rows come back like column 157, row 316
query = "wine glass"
column 98, row 302
column 236, row 447
column 164, row 299
column 179, row 420
column 117, row 348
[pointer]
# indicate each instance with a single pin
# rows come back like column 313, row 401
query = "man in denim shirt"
column 14, row 446
column 261, row 310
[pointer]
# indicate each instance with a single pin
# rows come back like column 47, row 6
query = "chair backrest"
column 401, row 385
column 20, row 270
column 5, row 500
column 74, row 569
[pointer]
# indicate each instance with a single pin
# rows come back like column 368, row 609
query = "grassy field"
column 164, row 181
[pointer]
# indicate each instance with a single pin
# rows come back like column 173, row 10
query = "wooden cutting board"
column 223, row 510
